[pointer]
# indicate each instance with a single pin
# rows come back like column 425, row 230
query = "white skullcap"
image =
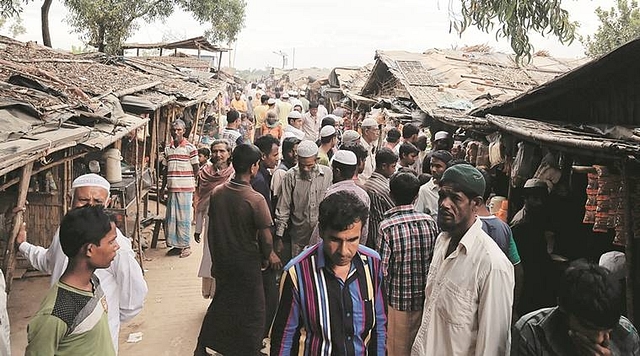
column 285, row 96
column 327, row 131
column 369, row 122
column 288, row 134
column 271, row 101
column 614, row 261
column 90, row 180
column 350, row 136
column 238, row 92
column 345, row 157
column 307, row 148
column 302, row 93
column 292, row 93
column 294, row 115
column 441, row 135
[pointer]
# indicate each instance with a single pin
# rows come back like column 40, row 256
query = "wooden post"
column 136, row 180
column 631, row 263
column 18, row 219
column 156, row 120
column 194, row 130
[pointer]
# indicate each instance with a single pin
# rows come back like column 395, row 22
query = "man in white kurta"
column 469, row 292
column 123, row 284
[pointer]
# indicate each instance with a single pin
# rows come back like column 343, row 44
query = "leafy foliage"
column 515, row 18
column 10, row 8
column 617, row 26
column 106, row 24
column 16, row 26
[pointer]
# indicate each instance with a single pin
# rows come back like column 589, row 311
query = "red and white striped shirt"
column 179, row 161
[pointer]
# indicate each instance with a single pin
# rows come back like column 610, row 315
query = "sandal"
column 186, row 252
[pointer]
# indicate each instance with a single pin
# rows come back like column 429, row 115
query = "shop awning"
column 103, row 134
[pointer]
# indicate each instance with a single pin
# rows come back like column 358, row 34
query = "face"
column 455, row 210
column 442, row 145
column 89, row 196
column 341, row 246
column 292, row 156
column 271, row 160
column 219, row 155
column 202, row 158
column 410, row 158
column 100, row 256
column 307, row 164
column 389, row 169
column 371, row 134
column 594, row 334
column 313, row 111
column 437, row 168
column 237, row 96
column 177, row 132
column 298, row 108
column 297, row 123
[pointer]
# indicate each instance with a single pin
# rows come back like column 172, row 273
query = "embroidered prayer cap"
column 441, row 135
column 271, row 101
column 90, row 180
column 307, row 148
column 285, row 95
column 294, row 115
column 369, row 122
column 466, row 176
column 350, row 136
column 345, row 157
column 327, row 131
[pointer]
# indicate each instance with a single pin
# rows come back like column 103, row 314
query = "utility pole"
column 284, row 57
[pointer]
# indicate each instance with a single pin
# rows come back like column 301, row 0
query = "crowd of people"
column 322, row 239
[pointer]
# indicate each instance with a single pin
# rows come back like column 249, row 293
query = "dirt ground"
column 172, row 314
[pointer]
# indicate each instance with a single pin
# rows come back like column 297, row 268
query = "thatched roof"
column 602, row 91
column 451, row 82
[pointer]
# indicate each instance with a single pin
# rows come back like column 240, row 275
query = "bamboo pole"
column 630, row 263
column 18, row 219
column 138, row 175
column 156, row 160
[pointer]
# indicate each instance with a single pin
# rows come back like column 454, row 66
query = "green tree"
column 15, row 28
column 618, row 26
column 514, row 19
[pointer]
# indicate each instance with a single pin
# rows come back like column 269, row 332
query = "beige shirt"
column 468, row 299
column 370, row 162
column 427, row 201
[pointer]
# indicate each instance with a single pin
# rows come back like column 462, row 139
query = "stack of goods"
column 604, row 207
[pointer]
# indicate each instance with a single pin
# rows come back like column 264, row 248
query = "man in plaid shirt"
column 406, row 248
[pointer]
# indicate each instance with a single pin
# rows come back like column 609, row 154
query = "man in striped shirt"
column 232, row 132
column 331, row 299
column 181, row 160
column 407, row 238
column 377, row 186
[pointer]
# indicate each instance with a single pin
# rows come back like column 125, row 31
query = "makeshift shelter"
column 446, row 83
column 58, row 112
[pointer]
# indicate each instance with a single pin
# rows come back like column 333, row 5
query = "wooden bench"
column 158, row 223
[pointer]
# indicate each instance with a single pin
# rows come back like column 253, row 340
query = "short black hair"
column 406, row 148
column 409, row 130
column 340, row 210
column 385, row 155
column 204, row 151
column 404, row 187
column 327, row 139
column 264, row 99
column 265, row 143
column 456, row 161
column 327, row 121
column 393, row 135
column 232, row 116
column 358, row 149
column 244, row 156
column 313, row 105
column 346, row 170
column 590, row 293
column 81, row 226
column 488, row 181
column 421, row 143
column 288, row 144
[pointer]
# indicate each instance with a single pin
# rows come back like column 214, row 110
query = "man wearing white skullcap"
column 369, row 140
column 303, row 187
column 344, row 166
column 328, row 140
column 294, row 127
column 123, row 283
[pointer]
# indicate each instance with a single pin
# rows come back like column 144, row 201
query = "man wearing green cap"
column 469, row 291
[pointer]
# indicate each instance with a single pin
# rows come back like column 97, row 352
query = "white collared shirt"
column 427, row 201
column 468, row 299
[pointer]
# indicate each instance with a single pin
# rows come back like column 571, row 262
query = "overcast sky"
column 327, row 33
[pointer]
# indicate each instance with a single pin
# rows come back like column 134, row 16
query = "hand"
column 196, row 237
column 274, row 261
column 22, row 234
column 585, row 346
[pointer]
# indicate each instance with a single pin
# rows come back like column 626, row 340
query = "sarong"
column 178, row 219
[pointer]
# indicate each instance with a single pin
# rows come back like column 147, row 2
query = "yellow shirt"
column 260, row 113
column 239, row 105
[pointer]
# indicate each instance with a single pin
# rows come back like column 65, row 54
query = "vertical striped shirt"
column 377, row 186
column 233, row 136
column 319, row 314
column 179, row 161
column 407, row 241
